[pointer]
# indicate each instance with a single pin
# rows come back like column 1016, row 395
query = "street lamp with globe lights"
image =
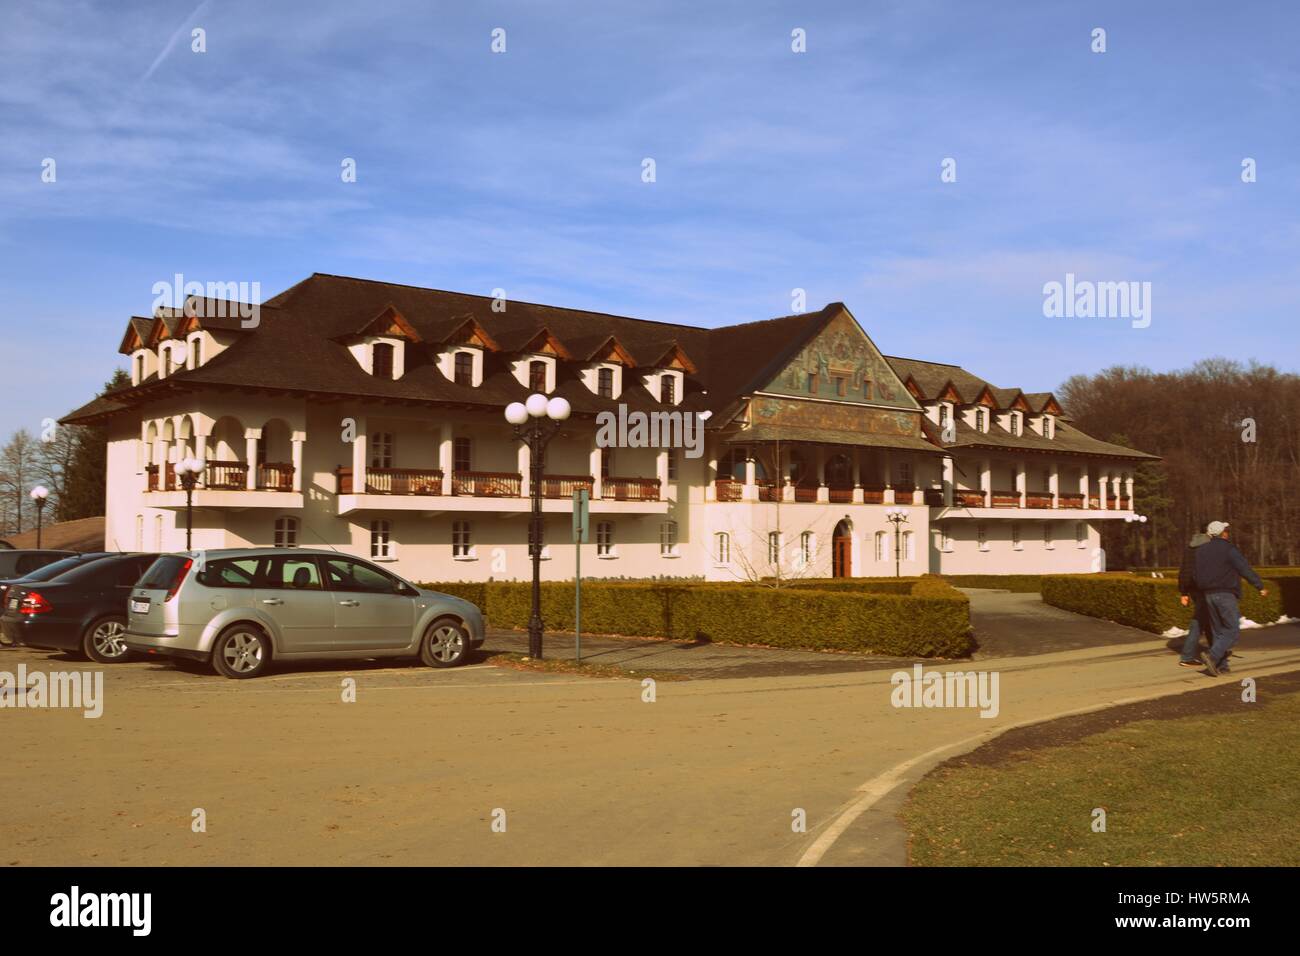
column 536, row 421
column 188, row 470
column 897, row 517
column 39, row 494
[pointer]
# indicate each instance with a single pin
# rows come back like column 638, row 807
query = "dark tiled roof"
column 760, row 434
column 299, row 347
column 1067, row 440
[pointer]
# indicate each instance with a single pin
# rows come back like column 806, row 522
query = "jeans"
column 1200, row 622
column 1225, row 619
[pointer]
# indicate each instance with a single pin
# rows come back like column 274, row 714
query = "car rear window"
column 51, row 571
column 162, row 573
column 102, row 571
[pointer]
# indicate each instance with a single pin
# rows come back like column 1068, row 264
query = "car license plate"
column 139, row 607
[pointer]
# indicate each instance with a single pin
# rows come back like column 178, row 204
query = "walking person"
column 1190, row 594
column 1219, row 570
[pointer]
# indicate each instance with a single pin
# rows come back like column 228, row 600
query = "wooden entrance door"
column 842, row 552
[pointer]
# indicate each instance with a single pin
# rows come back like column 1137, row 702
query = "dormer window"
column 943, row 414
column 1014, row 423
column 981, row 419
column 195, row 357
column 667, row 389
column 1049, row 426
column 381, row 360
column 464, row 368
column 537, row 376
column 605, row 382
column 139, row 368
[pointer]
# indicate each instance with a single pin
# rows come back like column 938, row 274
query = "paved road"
column 585, row 771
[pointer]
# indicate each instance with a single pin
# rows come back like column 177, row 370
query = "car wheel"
column 240, row 652
column 105, row 640
column 445, row 644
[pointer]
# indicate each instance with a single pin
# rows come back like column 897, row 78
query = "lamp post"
column 527, row 419
column 188, row 470
column 39, row 494
column 897, row 517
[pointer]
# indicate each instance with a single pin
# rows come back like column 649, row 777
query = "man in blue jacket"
column 1191, row 655
column 1219, row 570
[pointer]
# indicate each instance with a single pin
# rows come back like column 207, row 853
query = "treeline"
column 68, row 460
column 1230, row 439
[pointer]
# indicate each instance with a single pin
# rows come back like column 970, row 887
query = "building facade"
column 368, row 417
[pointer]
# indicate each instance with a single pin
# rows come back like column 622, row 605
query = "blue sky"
column 775, row 170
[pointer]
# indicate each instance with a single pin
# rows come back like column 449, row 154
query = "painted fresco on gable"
column 791, row 413
column 840, row 364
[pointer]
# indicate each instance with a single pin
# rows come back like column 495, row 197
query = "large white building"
column 368, row 417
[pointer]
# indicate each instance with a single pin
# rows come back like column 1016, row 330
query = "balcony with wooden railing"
column 394, row 481
column 486, row 484
column 227, row 476
column 840, row 494
column 563, row 486
column 633, row 489
column 968, row 498
column 1038, row 499
column 728, row 489
column 1003, row 498
column 873, row 494
column 1069, row 501
column 275, row 476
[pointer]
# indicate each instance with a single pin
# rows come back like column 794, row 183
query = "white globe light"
column 195, row 464
column 536, row 405
column 516, row 413
column 40, row 492
column 558, row 408
column 182, row 467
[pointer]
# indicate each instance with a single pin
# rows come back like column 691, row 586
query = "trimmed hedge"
column 1022, row 583
column 1148, row 603
column 931, row 620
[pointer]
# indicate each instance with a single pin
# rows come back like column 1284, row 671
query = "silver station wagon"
column 239, row 609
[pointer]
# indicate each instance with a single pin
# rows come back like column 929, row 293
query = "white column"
column 446, row 456
column 593, row 465
column 887, row 467
column 1022, row 485
column 201, row 450
column 1128, row 492
column 359, row 457
column 1117, row 484
column 750, row 491
column 297, row 442
column 661, row 469
column 857, row 467
column 711, row 476
column 1103, row 489
column 947, row 480
column 1054, row 484
column 250, row 456
column 524, row 462
column 821, row 466
column 986, row 482
column 1083, row 483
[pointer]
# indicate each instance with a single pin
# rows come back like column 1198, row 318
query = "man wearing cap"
column 1219, row 570
column 1190, row 595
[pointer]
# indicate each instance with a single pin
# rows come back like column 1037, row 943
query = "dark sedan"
column 82, row 609
column 45, row 573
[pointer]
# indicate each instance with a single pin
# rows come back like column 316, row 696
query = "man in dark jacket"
column 1191, row 655
column 1219, row 570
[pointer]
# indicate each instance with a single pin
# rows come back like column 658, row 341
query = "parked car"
column 82, row 609
column 240, row 609
column 20, row 562
column 45, row 573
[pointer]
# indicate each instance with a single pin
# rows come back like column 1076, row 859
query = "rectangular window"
column 464, row 368
column 722, row 548
column 1047, row 535
column 982, row 536
column 537, row 376
column 381, row 365
column 668, row 539
column 1015, row 535
column 774, row 547
column 943, row 414
column 1080, row 534
column 606, row 457
column 605, row 538
column 880, row 545
column 286, row 532
column 672, row 464
column 909, row 546
column 667, row 389
column 806, row 548
column 381, row 542
column 139, row 368
column 460, row 539
column 980, row 419
column 381, row 450
column 1015, row 424
column 904, row 473
column 461, row 458
column 605, row 382
column 196, row 352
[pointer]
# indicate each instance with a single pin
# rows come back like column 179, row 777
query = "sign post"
column 581, row 497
